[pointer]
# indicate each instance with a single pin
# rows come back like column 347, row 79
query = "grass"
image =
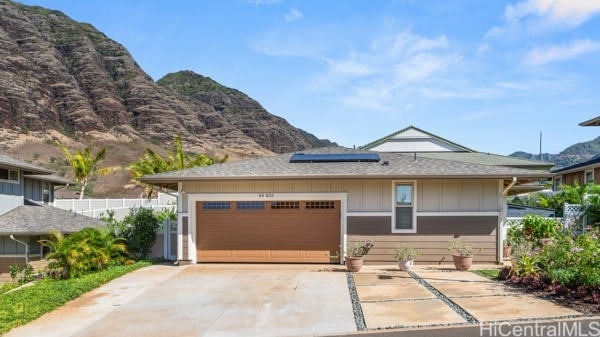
column 25, row 305
column 492, row 274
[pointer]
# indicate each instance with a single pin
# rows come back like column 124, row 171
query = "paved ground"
column 207, row 300
column 392, row 298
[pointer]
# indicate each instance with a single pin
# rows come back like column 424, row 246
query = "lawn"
column 26, row 304
column 492, row 274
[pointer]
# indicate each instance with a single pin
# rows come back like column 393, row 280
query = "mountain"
column 63, row 79
column 573, row 154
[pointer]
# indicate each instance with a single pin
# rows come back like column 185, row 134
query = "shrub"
column 405, row 253
column 140, row 231
column 535, row 228
column 88, row 250
column 21, row 274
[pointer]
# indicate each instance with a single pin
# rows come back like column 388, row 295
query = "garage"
column 268, row 231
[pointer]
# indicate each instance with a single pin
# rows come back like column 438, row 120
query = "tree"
column 140, row 231
column 85, row 164
column 178, row 159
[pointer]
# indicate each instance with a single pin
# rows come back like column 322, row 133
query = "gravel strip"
column 359, row 317
column 457, row 308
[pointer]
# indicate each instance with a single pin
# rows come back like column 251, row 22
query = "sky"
column 489, row 75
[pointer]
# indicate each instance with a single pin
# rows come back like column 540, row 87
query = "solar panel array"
column 334, row 157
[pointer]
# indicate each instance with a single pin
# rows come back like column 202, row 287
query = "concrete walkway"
column 443, row 296
column 207, row 300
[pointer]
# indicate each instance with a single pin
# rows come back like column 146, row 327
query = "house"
column 26, row 192
column 580, row 173
column 302, row 207
column 591, row 122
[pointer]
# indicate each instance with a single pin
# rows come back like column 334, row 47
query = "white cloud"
column 541, row 56
column 539, row 16
column 293, row 15
column 568, row 12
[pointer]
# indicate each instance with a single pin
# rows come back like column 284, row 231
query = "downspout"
column 26, row 248
column 501, row 224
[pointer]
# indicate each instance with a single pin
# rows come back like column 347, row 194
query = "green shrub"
column 140, row 231
column 21, row 274
column 88, row 250
column 535, row 228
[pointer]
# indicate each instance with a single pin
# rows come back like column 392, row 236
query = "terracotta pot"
column 354, row 263
column 462, row 263
column 405, row 264
column 506, row 251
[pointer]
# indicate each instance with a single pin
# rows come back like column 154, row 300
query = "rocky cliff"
column 60, row 78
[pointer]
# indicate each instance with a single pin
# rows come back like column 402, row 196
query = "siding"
column 432, row 237
column 6, row 261
column 33, row 189
column 373, row 195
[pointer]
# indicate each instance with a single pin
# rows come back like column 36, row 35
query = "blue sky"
column 486, row 74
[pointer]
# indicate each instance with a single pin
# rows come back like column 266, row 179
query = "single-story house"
column 26, row 214
column 304, row 206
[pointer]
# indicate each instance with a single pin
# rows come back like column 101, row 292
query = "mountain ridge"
column 574, row 154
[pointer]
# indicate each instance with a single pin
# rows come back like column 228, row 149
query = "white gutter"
column 26, row 248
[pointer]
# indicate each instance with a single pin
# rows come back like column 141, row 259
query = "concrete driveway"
column 207, row 300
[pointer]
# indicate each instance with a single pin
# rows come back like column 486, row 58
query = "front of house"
column 302, row 207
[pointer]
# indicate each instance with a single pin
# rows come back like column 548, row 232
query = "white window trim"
column 585, row 176
column 18, row 181
column 192, row 198
column 414, row 206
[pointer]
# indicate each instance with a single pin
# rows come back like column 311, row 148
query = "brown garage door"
column 267, row 231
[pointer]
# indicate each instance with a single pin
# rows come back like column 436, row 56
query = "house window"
column 9, row 175
column 404, row 197
column 589, row 176
column 216, row 205
column 46, row 192
column 285, row 205
column 557, row 183
column 320, row 205
column 250, row 205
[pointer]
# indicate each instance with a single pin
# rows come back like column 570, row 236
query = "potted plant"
column 506, row 248
column 462, row 253
column 406, row 256
column 354, row 254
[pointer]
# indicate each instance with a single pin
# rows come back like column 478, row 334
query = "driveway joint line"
column 455, row 307
column 359, row 316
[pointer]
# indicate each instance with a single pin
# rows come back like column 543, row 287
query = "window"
column 216, row 205
column 404, row 207
column 285, row 204
column 320, row 205
column 9, row 175
column 589, row 176
column 45, row 192
column 557, row 183
column 250, row 205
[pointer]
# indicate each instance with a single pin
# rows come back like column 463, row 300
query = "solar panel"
column 334, row 157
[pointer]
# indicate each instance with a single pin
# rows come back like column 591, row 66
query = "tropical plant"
column 535, row 228
column 177, row 159
column 405, row 253
column 85, row 165
column 140, row 231
column 88, row 250
column 460, row 247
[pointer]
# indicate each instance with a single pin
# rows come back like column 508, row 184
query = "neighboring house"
column 581, row 174
column 26, row 192
column 301, row 207
column 591, row 122
column 519, row 211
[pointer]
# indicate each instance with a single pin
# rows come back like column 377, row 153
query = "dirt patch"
column 569, row 298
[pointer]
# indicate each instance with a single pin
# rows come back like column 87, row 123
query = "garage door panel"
column 267, row 235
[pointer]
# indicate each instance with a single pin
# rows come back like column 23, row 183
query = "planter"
column 462, row 263
column 506, row 251
column 405, row 264
column 354, row 263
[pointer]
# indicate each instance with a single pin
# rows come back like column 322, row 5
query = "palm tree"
column 85, row 164
column 178, row 159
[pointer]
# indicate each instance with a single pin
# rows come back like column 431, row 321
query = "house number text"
column 266, row 195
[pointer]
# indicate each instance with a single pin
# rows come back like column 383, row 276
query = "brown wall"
column 432, row 237
column 6, row 261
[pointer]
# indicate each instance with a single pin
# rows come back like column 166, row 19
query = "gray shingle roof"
column 487, row 159
column 399, row 166
column 15, row 163
column 38, row 220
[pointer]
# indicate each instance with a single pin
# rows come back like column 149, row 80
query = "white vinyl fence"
column 96, row 208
